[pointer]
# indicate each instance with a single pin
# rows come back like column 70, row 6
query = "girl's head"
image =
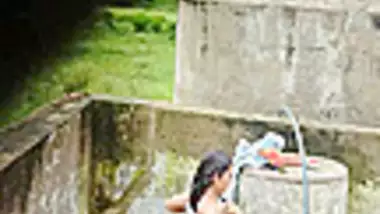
column 213, row 172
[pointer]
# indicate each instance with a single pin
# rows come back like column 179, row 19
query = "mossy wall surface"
column 118, row 153
column 44, row 162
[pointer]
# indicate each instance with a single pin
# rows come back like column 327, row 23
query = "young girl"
column 211, row 179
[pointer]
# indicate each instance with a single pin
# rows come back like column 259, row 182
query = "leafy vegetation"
column 130, row 53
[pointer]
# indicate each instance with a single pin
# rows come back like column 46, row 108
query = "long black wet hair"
column 213, row 162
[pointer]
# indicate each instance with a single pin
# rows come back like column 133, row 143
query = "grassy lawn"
column 119, row 60
column 140, row 65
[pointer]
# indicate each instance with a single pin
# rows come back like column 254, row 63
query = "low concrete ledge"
column 193, row 130
column 43, row 161
column 54, row 154
column 18, row 138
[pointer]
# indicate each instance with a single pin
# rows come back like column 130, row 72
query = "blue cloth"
column 246, row 154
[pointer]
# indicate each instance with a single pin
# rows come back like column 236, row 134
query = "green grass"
column 116, row 60
column 140, row 65
column 164, row 5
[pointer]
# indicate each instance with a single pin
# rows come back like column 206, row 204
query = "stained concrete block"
column 261, row 54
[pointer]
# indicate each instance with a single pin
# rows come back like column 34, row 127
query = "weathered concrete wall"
column 104, row 154
column 121, row 164
column 190, row 131
column 252, row 56
column 44, row 163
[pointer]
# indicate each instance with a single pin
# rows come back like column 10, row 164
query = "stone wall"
column 190, row 131
column 44, row 162
column 104, row 154
column 320, row 57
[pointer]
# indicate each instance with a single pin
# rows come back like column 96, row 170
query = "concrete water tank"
column 253, row 56
column 271, row 192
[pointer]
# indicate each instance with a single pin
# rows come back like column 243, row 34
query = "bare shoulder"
column 209, row 209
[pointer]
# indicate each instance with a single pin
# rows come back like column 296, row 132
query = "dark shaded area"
column 376, row 21
column 34, row 33
column 105, row 141
column 129, row 3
